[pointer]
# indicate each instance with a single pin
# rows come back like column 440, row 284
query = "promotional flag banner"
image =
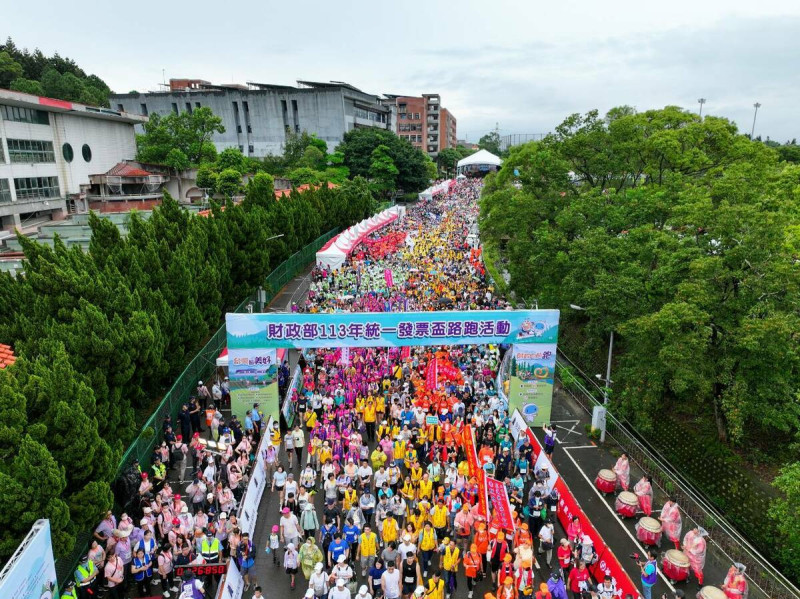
column 501, row 507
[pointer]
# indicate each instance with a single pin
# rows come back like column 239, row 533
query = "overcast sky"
column 524, row 65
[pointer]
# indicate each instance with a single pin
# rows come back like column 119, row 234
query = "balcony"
column 433, row 120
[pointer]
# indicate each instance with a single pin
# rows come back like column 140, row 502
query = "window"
column 296, row 116
column 402, row 115
column 87, row 152
column 197, row 104
column 120, row 107
column 66, row 151
column 416, row 115
column 30, row 151
column 246, row 108
column 285, row 111
column 241, row 148
column 143, row 109
column 31, row 188
column 250, row 149
column 2, row 156
column 24, row 115
column 189, row 107
column 5, row 191
column 175, row 107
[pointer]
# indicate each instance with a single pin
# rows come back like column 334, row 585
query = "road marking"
column 573, row 421
column 582, row 447
column 613, row 513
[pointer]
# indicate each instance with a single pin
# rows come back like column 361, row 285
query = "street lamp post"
column 757, row 105
column 599, row 413
column 701, row 101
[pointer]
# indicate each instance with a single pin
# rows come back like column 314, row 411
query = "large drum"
column 711, row 593
column 648, row 531
column 626, row 504
column 675, row 565
column 606, row 481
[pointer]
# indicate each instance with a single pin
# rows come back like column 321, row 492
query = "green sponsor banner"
column 531, row 378
column 244, row 395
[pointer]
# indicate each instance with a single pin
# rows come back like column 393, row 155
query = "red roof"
column 7, row 357
column 123, row 169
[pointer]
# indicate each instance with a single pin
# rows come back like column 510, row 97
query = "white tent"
column 427, row 194
column 333, row 254
column 479, row 158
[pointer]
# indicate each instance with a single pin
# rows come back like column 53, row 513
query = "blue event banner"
column 390, row 329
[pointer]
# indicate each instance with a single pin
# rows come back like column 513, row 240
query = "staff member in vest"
column 211, row 550
column 191, row 588
column 142, row 570
column 85, row 575
column 649, row 574
column 69, row 591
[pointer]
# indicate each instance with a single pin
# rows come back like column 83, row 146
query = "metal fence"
column 203, row 365
column 725, row 542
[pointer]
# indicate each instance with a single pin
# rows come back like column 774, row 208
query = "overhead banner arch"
column 253, row 339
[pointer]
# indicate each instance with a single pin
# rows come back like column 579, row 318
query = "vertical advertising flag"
column 531, row 381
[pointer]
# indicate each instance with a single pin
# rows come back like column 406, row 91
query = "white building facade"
column 48, row 148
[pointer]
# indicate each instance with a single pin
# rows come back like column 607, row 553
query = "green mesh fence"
column 203, row 365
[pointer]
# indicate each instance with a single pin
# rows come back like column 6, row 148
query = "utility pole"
column 755, row 114
column 701, row 101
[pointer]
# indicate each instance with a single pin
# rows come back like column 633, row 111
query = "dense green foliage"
column 305, row 159
column 52, row 76
column 101, row 334
column 413, row 166
column 680, row 235
column 178, row 140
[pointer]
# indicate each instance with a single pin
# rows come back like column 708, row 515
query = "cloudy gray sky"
column 522, row 64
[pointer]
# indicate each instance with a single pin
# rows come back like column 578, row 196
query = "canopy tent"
column 441, row 187
column 480, row 161
column 333, row 254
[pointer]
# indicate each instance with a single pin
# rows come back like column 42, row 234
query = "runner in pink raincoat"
column 644, row 491
column 694, row 546
column 623, row 471
column 671, row 522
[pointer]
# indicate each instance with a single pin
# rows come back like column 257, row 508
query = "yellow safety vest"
column 349, row 498
column 399, row 450
column 450, row 560
column 425, row 488
column 439, row 516
column 210, row 552
column 428, row 542
column 85, row 572
column 369, row 544
column 389, row 530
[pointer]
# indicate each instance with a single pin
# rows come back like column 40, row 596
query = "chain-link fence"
column 200, row 368
column 726, row 543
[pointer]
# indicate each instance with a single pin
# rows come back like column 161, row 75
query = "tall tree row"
column 101, row 334
column 681, row 236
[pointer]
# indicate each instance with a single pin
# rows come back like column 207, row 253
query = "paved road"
column 578, row 461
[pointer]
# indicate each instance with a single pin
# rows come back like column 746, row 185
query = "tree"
column 177, row 160
column 447, row 160
column 207, row 178
column 490, row 142
column 313, row 158
column 303, row 175
column 27, row 86
column 382, row 171
column 190, row 133
column 411, row 163
column 10, row 69
column 785, row 513
column 229, row 183
column 231, row 158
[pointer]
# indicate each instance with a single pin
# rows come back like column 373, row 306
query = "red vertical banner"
column 431, row 377
column 501, row 506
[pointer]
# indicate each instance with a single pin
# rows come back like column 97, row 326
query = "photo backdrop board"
column 531, row 379
column 31, row 571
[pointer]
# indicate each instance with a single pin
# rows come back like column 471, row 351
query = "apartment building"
column 422, row 121
column 259, row 116
column 49, row 148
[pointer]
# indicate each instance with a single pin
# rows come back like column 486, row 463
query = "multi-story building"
column 422, row 121
column 48, row 148
column 258, row 118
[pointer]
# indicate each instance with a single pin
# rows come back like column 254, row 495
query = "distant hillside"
column 52, row 76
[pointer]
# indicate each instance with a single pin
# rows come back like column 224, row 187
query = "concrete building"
column 49, row 148
column 422, row 121
column 258, row 117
